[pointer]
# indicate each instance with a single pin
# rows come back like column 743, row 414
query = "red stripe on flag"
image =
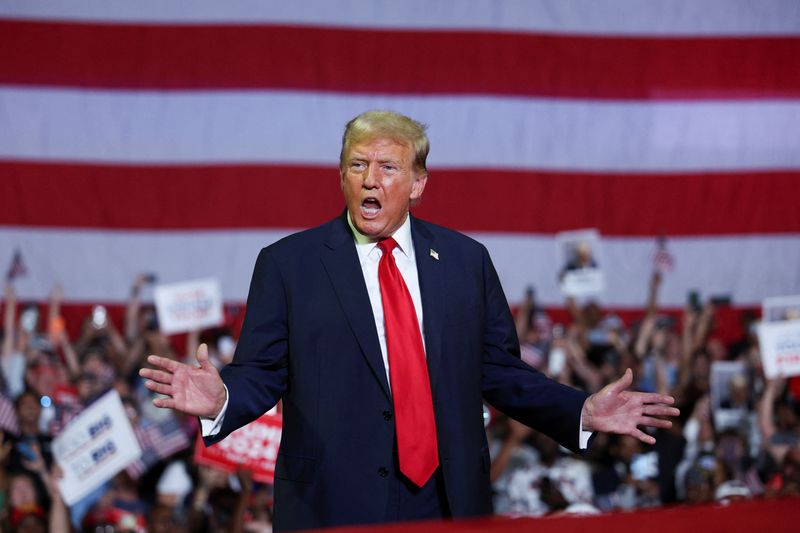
column 728, row 323
column 241, row 196
column 397, row 61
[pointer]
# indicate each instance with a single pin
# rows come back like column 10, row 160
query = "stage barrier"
column 773, row 516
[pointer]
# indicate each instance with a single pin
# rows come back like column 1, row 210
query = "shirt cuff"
column 211, row 426
column 583, row 438
column 583, row 435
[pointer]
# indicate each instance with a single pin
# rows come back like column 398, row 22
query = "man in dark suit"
column 383, row 334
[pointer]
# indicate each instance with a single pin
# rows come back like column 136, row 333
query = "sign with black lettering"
column 94, row 447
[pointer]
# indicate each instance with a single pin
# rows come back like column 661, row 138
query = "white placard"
column 579, row 254
column 780, row 348
column 96, row 445
column 188, row 305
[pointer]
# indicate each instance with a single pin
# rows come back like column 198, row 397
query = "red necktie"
column 408, row 370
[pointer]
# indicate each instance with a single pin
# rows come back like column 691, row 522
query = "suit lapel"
column 431, row 285
column 340, row 260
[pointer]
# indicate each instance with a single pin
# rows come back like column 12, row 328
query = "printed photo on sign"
column 729, row 394
column 780, row 348
column 96, row 445
column 579, row 255
column 189, row 305
column 780, row 308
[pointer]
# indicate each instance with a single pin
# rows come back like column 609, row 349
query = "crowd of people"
column 737, row 437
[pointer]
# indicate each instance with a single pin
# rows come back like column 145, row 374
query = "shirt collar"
column 365, row 245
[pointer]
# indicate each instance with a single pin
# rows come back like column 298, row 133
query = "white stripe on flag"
column 477, row 132
column 614, row 17
column 99, row 265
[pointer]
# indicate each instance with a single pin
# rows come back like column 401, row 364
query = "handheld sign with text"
column 253, row 447
column 780, row 348
column 188, row 305
column 96, row 445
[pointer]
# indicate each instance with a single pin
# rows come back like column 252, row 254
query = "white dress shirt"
column 369, row 255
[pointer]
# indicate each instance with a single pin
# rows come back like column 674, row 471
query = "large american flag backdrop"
column 181, row 137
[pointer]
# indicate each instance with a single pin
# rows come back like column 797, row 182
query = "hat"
column 175, row 480
column 732, row 489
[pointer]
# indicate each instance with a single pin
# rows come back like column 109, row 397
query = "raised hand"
column 614, row 409
column 194, row 390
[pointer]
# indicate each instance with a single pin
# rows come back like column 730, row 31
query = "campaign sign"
column 188, row 305
column 253, row 447
column 96, row 445
column 579, row 253
column 780, row 348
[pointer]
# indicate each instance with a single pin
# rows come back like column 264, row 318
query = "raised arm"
column 576, row 357
column 522, row 320
column 58, row 334
column 649, row 322
column 652, row 293
column 9, row 319
column 132, row 310
column 687, row 333
column 54, row 307
column 766, row 421
column 702, row 327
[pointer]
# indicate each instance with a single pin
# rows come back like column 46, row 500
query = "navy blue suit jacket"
column 309, row 337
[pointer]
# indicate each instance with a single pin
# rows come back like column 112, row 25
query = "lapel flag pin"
column 434, row 254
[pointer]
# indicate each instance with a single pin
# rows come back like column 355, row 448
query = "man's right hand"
column 194, row 390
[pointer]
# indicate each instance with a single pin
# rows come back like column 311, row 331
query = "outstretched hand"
column 194, row 390
column 614, row 409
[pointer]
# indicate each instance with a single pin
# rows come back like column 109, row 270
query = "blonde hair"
column 373, row 125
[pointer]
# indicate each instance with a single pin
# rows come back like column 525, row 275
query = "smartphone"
column 721, row 300
column 644, row 466
column 529, row 292
column 99, row 317
column 665, row 322
column 556, row 361
column 150, row 278
column 151, row 321
column 25, row 450
column 29, row 319
column 694, row 300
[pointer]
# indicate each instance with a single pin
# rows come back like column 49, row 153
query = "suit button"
column 387, row 415
column 383, row 471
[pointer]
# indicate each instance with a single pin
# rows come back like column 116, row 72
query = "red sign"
column 253, row 447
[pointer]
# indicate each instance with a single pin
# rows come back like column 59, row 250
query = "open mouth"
column 370, row 207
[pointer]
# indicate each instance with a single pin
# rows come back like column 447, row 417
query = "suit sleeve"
column 515, row 388
column 256, row 378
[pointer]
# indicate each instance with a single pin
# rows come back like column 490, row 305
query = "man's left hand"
column 614, row 409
